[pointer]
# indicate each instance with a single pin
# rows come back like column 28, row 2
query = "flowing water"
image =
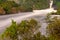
column 51, row 3
column 39, row 15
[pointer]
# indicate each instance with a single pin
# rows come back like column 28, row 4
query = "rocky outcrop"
column 2, row 11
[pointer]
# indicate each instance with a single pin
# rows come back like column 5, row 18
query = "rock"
column 13, row 10
column 2, row 11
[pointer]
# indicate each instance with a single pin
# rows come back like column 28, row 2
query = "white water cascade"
column 51, row 3
column 50, row 6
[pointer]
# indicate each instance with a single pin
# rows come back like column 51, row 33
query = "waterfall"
column 51, row 3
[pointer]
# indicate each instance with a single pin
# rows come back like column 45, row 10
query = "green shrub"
column 53, row 29
column 8, row 5
column 25, row 29
column 10, row 32
column 37, row 36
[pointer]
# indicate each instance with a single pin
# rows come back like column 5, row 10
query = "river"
column 39, row 15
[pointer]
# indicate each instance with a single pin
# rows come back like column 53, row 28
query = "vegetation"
column 40, row 4
column 10, row 7
column 57, row 7
column 27, row 28
column 53, row 29
column 26, row 5
column 35, row 4
column 7, row 6
column 37, row 36
column 57, row 3
column 23, row 30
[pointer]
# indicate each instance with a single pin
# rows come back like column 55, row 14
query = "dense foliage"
column 26, row 30
column 37, row 36
column 40, row 4
column 53, row 29
column 56, row 5
column 21, row 31
column 9, row 7
column 26, row 5
column 36, row 4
